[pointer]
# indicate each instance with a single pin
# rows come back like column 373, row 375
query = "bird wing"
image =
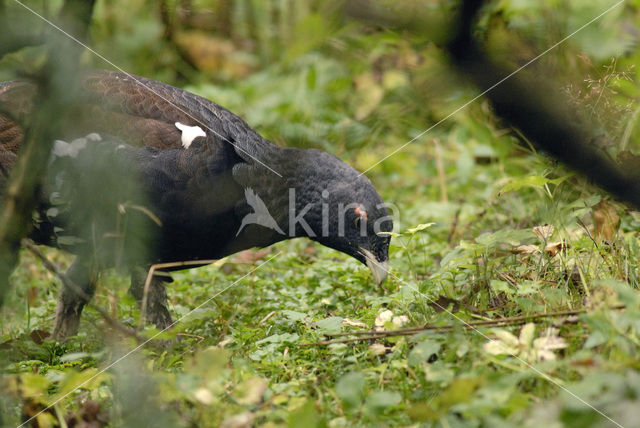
column 140, row 111
column 16, row 98
column 144, row 112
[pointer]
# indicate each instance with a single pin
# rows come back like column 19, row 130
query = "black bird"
column 207, row 185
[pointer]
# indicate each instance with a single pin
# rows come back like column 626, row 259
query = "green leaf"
column 350, row 389
column 304, row 416
column 423, row 351
column 509, row 236
column 293, row 315
column 280, row 338
column 75, row 356
column 311, row 78
column 86, row 379
column 377, row 402
column 33, row 385
column 459, row 391
column 422, row 412
column 419, row 228
column 527, row 287
column 439, row 373
column 596, row 338
column 535, row 181
column 501, row 286
column 330, row 325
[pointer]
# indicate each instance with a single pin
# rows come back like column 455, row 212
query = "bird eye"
column 360, row 214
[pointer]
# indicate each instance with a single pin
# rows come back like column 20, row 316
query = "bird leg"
column 71, row 300
column 156, row 310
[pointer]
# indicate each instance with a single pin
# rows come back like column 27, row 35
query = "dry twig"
column 161, row 267
column 54, row 269
column 372, row 334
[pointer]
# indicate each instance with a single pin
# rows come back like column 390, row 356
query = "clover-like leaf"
column 524, row 346
column 419, row 228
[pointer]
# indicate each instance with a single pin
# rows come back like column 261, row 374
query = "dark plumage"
column 198, row 197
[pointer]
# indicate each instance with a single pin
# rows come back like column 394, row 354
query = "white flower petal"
column 506, row 337
column 399, row 321
column 204, row 396
column 526, row 334
column 497, row 347
column 383, row 317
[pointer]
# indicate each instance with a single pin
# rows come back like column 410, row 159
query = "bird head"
column 343, row 210
column 316, row 195
column 359, row 226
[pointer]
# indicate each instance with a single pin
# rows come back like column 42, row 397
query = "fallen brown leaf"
column 543, row 232
column 352, row 323
column 553, row 248
column 525, row 249
column 606, row 220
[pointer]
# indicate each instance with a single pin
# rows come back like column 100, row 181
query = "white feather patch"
column 62, row 148
column 189, row 133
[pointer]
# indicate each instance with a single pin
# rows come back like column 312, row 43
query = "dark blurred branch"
column 167, row 20
column 537, row 112
column 225, row 18
column 51, row 267
column 380, row 12
column 11, row 42
column 533, row 107
column 55, row 97
column 433, row 22
column 20, row 196
column 169, row 35
column 252, row 27
column 76, row 17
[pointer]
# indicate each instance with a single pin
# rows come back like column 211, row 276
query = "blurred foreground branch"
column 534, row 108
column 56, row 82
column 66, row 282
column 537, row 112
column 76, row 16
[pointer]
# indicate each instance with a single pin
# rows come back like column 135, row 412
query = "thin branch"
column 533, row 108
column 586, row 229
column 503, row 322
column 76, row 16
column 162, row 266
column 525, row 103
column 54, row 99
column 66, row 282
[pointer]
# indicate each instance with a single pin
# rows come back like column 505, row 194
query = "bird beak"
column 378, row 269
